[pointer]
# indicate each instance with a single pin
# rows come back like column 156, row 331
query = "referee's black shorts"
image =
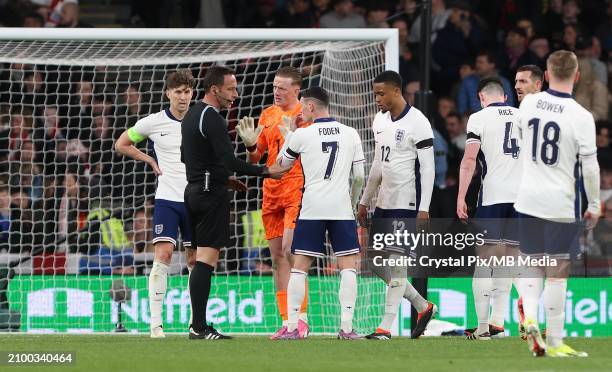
column 209, row 213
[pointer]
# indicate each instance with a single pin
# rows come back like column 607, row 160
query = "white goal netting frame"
column 68, row 94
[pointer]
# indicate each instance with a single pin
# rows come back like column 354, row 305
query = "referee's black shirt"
column 206, row 146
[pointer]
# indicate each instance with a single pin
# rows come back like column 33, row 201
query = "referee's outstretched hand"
column 275, row 172
column 234, row 184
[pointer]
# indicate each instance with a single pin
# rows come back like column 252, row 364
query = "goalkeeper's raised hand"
column 247, row 131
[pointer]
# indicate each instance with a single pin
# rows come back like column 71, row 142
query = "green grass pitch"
column 317, row 353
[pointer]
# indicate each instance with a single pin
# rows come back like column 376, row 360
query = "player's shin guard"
column 348, row 296
column 158, row 284
column 530, row 284
column 500, row 295
column 199, row 290
column 296, row 289
column 555, row 290
column 481, row 288
column 395, row 292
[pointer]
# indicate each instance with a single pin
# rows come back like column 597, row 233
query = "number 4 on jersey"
column 511, row 146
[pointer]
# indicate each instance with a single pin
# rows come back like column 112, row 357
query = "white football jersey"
column 555, row 130
column 165, row 131
column 327, row 150
column 396, row 149
column 495, row 128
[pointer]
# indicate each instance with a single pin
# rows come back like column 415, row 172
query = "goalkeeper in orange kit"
column 281, row 198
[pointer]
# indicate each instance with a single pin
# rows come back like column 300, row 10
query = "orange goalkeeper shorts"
column 276, row 220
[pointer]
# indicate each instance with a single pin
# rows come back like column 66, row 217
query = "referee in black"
column 209, row 160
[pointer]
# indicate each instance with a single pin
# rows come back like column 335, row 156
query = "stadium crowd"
column 60, row 179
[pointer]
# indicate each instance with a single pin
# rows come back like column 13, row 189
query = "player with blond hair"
column 281, row 198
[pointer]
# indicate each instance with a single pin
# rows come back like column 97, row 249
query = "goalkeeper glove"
column 286, row 127
column 247, row 131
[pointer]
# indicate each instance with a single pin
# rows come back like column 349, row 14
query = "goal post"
column 85, row 212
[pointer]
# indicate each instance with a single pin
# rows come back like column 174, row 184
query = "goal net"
column 77, row 217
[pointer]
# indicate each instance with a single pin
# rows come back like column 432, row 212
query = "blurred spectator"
column 21, row 236
column 53, row 9
column 301, row 14
column 32, row 90
column 319, row 8
column 410, row 90
column 81, row 107
column 401, row 24
column 341, row 15
column 408, row 68
column 526, row 25
column 467, row 100
column 455, row 43
column 516, row 53
column 588, row 47
column 570, row 12
column 267, row 15
column 456, row 130
column 439, row 17
column 377, row 14
column 25, row 173
column 570, row 36
column 603, row 129
column 457, row 135
column 553, row 21
column 5, row 217
column 540, row 47
column 446, row 105
column 20, row 126
column 441, row 162
column 45, row 136
column 604, row 31
column 107, row 245
column 211, row 14
column 33, row 20
column 141, row 229
column 466, row 69
column 129, row 109
column 70, row 16
column 602, row 233
column 606, row 179
column 408, row 9
column 100, row 147
column 590, row 92
column 44, row 212
column 71, row 156
column 101, row 104
column 71, row 202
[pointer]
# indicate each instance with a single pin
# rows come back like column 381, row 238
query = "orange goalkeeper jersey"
column 289, row 188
